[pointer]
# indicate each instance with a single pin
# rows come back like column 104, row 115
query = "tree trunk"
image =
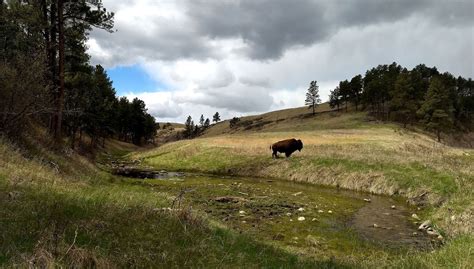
column 60, row 102
column 313, row 108
column 80, row 136
column 51, row 55
column 73, row 138
column 438, row 133
column 46, row 34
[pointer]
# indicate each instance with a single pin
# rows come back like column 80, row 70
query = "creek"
column 301, row 217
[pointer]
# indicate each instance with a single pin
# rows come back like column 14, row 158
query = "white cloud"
column 243, row 60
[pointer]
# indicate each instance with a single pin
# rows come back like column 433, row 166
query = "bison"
column 287, row 146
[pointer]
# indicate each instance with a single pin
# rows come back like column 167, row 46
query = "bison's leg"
column 288, row 154
column 275, row 154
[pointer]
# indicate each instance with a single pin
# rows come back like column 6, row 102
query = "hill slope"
column 351, row 151
column 346, row 150
column 59, row 210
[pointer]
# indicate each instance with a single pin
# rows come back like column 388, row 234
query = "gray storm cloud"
column 268, row 28
column 255, row 81
column 267, row 45
column 233, row 98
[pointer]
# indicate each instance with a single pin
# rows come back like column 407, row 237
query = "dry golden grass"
column 374, row 157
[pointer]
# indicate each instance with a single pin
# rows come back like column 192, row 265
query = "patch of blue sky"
column 133, row 79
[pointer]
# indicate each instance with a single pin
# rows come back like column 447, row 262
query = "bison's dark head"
column 300, row 145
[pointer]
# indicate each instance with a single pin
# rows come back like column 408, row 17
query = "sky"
column 242, row 57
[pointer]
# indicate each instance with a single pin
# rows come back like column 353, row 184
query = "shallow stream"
column 304, row 218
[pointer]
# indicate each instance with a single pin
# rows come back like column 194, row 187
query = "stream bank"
column 300, row 217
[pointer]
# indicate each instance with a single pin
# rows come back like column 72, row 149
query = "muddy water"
column 306, row 218
column 389, row 223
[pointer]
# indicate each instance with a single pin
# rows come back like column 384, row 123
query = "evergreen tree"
column 335, row 98
column 312, row 96
column 234, row 122
column 23, row 94
column 123, row 119
column 465, row 95
column 345, row 92
column 437, row 109
column 378, row 83
column 201, row 121
column 45, row 70
column 137, row 120
column 58, row 19
column 196, row 130
column 355, row 90
column 189, row 127
column 403, row 102
column 216, row 118
column 207, row 123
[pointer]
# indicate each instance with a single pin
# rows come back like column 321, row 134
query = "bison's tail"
column 271, row 147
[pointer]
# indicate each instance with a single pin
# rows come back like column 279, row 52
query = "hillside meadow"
column 60, row 210
column 343, row 150
column 63, row 210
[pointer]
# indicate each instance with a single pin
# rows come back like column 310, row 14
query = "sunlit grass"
column 383, row 159
column 47, row 197
column 72, row 215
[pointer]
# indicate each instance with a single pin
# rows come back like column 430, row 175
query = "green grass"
column 118, row 235
column 457, row 253
column 46, row 198
column 412, row 175
column 116, row 224
column 343, row 150
column 296, row 119
column 208, row 156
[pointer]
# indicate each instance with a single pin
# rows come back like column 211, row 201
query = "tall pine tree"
column 437, row 109
column 312, row 96
column 403, row 103
column 216, row 118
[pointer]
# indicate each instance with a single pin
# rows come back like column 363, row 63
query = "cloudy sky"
column 241, row 57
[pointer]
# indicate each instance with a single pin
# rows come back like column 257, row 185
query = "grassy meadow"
column 62, row 210
column 344, row 150
column 348, row 151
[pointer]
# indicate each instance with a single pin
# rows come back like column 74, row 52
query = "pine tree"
column 403, row 103
column 437, row 109
column 345, row 92
column 189, row 127
column 207, row 123
column 312, row 96
column 216, row 118
column 201, row 121
column 335, row 98
column 355, row 90
column 60, row 19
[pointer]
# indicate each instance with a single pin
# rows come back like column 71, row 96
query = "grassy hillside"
column 346, row 150
column 59, row 210
column 173, row 125
column 292, row 119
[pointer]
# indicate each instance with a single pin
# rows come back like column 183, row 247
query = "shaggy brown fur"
column 287, row 146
